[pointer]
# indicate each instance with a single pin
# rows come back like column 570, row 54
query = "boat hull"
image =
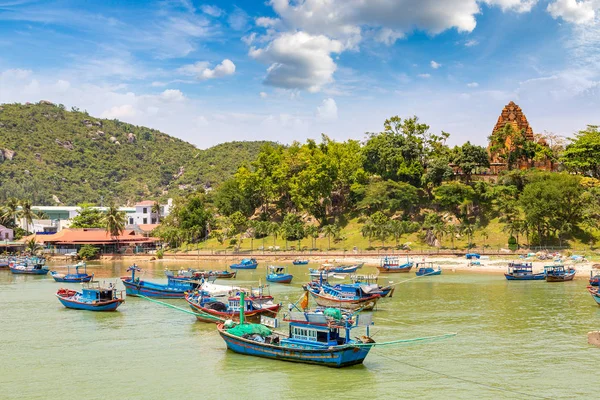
column 286, row 278
column 533, row 277
column 154, row 290
column 594, row 292
column 330, row 301
column 560, row 278
column 249, row 316
column 18, row 271
column 394, row 269
column 85, row 278
column 336, row 357
column 243, row 266
column 300, row 262
column 104, row 306
column 436, row 272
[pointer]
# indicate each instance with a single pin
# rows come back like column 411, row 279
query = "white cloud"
column 201, row 71
column 328, row 110
column 249, row 39
column 213, row 11
column 263, row 95
column 435, row 65
column 16, row 74
column 119, row 112
column 201, row 121
column 473, row 84
column 574, row 11
column 238, row 20
column 424, row 76
column 520, row 6
column 471, row 43
column 299, row 60
column 172, row 95
column 62, row 85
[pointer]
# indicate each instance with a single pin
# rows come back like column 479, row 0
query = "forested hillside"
column 50, row 156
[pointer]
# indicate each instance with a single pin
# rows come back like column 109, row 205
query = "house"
column 144, row 219
column 6, row 234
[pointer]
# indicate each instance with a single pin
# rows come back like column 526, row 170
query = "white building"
column 6, row 234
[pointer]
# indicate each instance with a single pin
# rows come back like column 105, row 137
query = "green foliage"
column 292, row 227
column 114, row 221
column 88, row 217
column 160, row 254
column 389, row 197
column 72, row 156
column 583, row 154
column 455, row 197
column 88, row 252
column 470, row 158
column 512, row 243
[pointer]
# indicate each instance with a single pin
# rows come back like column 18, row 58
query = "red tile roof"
column 148, row 227
column 91, row 236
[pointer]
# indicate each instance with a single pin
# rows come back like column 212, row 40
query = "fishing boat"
column 473, row 256
column 209, row 309
column 29, row 266
column 427, row 269
column 372, row 280
column 313, row 338
column 595, row 293
column 4, row 262
column 191, row 274
column 246, row 263
column 594, row 279
column 278, row 274
column 558, row 273
column 345, row 296
column 522, row 272
column 92, row 298
column 174, row 288
column 391, row 264
column 76, row 277
column 300, row 262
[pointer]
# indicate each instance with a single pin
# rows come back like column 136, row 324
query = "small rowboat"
column 278, row 274
column 347, row 297
column 214, row 309
column 76, row 277
column 300, row 262
column 426, row 269
column 190, row 274
column 91, row 298
column 595, row 294
column 246, row 263
column 558, row 273
column 594, row 279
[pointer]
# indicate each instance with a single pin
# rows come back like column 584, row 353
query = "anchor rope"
column 402, row 341
column 201, row 314
column 458, row 378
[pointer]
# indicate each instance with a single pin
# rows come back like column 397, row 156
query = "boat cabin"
column 520, row 268
column 316, row 335
column 554, row 270
column 98, row 294
column 234, row 304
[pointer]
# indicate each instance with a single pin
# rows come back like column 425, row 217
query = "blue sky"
column 284, row 70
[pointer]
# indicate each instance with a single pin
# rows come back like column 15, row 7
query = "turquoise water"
column 529, row 337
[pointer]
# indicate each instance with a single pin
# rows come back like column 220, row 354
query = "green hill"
column 48, row 153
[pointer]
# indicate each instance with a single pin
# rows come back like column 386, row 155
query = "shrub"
column 160, row 254
column 512, row 243
column 88, row 252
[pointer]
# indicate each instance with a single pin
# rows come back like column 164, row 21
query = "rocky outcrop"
column 38, row 157
column 112, row 139
column 55, row 199
column 46, row 102
column 66, row 144
column 179, row 173
column 99, row 133
column 130, row 138
column 6, row 154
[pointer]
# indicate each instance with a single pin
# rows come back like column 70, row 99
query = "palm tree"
column 438, row 231
column 368, row 231
column 27, row 214
column 156, row 210
column 114, row 222
column 451, row 230
column 467, row 229
column 10, row 212
column 313, row 232
column 331, row 231
column 484, row 235
column 32, row 245
column 396, row 228
column 274, row 230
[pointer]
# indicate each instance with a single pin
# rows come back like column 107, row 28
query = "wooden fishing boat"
column 595, row 294
column 173, row 289
column 300, row 262
column 214, row 309
column 277, row 274
column 317, row 339
column 347, row 297
column 594, row 279
column 76, row 277
column 191, row 274
column 246, row 263
column 29, row 266
column 372, row 280
column 558, row 273
column 92, row 298
column 390, row 264
column 427, row 269
column 523, row 272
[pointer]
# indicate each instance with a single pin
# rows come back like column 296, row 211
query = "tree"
column 274, row 231
column 396, row 229
column 437, row 172
column 468, row 229
column 452, row 231
column 292, row 228
column 313, row 232
column 10, row 213
column 583, row 154
column 156, row 210
column 32, row 245
column 438, row 230
column 114, row 222
column 484, row 236
column 232, row 196
column 27, row 213
column 451, row 196
column 368, row 230
column 87, row 217
column 389, row 197
column 469, row 158
column 240, row 225
column 331, row 231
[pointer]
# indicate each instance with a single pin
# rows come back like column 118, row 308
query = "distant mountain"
column 52, row 155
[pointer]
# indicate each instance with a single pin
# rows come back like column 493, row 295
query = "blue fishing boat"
column 346, row 296
column 300, row 262
column 473, row 256
column 174, row 288
column 277, row 274
column 522, row 272
column 595, row 294
column 91, row 298
column 322, row 339
column 427, row 269
column 76, row 277
column 4, row 262
column 246, row 263
column 190, row 274
column 558, row 273
column 391, row 264
column 209, row 309
column 29, row 266
column 372, row 280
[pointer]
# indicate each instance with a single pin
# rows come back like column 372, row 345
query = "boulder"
column 46, row 102
column 66, row 144
column 38, row 156
column 55, row 199
column 98, row 123
column 117, row 143
column 594, row 338
column 99, row 133
column 130, row 138
column 112, row 139
column 9, row 154
column 179, row 173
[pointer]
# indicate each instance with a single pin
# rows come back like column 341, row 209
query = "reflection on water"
column 525, row 336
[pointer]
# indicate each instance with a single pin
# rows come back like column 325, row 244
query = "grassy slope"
column 71, row 155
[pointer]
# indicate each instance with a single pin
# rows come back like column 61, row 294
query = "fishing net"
column 334, row 313
column 250, row 329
